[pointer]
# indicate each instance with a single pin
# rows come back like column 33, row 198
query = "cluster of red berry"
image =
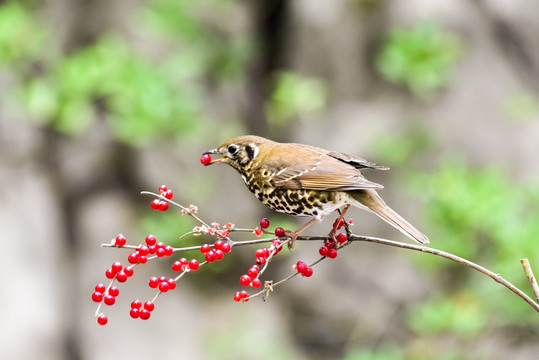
column 160, row 204
column 141, row 311
column 304, row 269
column 162, row 283
column 117, row 272
column 220, row 248
column 152, row 249
column 329, row 248
column 251, row 278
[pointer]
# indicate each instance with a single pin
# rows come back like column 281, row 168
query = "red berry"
column 120, row 240
column 332, row 253
column 143, row 250
column 109, row 299
column 162, row 278
column 252, row 272
column 150, row 240
column 153, row 282
column 142, row 259
column 148, row 305
column 163, row 205
column 121, row 276
column 301, row 267
column 218, row 245
column 169, row 250
column 256, row 283
column 276, row 243
column 168, row 194
column 258, row 231
column 210, row 256
column 205, row 248
column 279, row 232
column 218, row 255
column 342, row 238
column 193, row 264
column 136, row 304
column 245, row 280
column 129, row 271
column 144, row 314
column 244, row 295
column 171, row 284
column 205, row 159
column 323, row 251
column 160, row 252
column 97, row 296
column 100, row 288
column 133, row 258
column 134, row 313
column 308, row 272
column 264, row 223
column 114, row 291
column 116, row 267
column 155, row 204
column 329, row 244
column 102, row 319
column 164, row 286
column 260, row 260
column 110, row 274
column 163, row 188
column 237, row 296
column 338, row 225
column 226, row 248
column 152, row 249
column 260, row 253
column 177, row 266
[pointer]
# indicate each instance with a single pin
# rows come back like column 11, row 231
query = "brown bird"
column 304, row 180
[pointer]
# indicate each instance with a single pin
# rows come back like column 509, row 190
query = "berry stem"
column 186, row 210
column 270, row 288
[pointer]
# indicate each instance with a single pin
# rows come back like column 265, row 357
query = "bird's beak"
column 211, row 152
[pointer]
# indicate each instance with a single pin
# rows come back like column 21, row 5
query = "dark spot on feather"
column 250, row 152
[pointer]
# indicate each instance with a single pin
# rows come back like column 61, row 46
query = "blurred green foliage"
column 293, row 96
column 140, row 100
column 383, row 352
column 522, row 107
column 480, row 214
column 19, row 37
column 421, row 57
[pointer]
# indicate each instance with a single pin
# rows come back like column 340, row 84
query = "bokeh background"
column 102, row 99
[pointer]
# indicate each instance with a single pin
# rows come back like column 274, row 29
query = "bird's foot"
column 293, row 235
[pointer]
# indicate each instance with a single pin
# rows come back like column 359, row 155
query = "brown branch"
column 531, row 278
column 452, row 257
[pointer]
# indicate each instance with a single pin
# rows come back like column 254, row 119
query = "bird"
column 305, row 180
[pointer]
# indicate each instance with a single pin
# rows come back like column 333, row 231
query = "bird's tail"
column 370, row 199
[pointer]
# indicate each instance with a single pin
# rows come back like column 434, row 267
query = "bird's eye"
column 232, row 149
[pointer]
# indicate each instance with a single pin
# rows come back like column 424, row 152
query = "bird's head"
column 239, row 152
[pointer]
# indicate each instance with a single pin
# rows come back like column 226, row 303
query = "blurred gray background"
column 65, row 192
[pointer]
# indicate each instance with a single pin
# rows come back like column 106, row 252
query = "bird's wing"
column 318, row 170
column 355, row 161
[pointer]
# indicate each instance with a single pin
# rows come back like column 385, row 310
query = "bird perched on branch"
column 304, row 180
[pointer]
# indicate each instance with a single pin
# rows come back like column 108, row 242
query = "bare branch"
column 452, row 257
column 531, row 278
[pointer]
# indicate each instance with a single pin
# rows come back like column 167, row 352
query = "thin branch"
column 452, row 257
column 531, row 278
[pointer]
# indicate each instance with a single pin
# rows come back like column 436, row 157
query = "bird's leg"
column 294, row 234
column 333, row 231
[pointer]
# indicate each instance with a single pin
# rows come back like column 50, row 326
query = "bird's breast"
column 299, row 202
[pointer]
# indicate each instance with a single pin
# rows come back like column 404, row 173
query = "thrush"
column 304, row 180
